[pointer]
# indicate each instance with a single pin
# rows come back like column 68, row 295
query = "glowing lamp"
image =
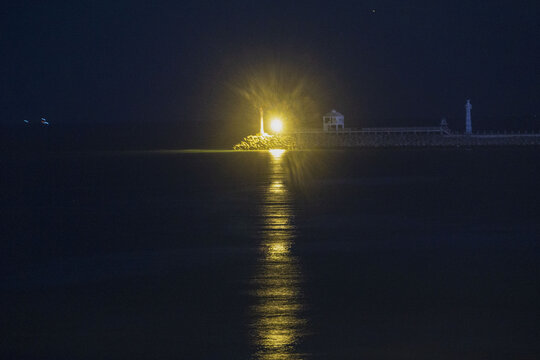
column 276, row 125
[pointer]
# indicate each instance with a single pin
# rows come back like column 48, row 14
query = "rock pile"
column 266, row 142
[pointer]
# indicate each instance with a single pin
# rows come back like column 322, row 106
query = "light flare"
column 276, row 125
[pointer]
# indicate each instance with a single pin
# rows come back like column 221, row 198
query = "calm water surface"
column 377, row 254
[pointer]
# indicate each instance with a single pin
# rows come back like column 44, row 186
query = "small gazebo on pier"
column 333, row 121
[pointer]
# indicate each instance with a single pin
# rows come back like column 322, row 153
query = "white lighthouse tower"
column 468, row 124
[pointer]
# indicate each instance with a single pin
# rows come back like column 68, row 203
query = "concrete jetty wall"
column 312, row 140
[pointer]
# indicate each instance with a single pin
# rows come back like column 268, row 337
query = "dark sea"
column 357, row 254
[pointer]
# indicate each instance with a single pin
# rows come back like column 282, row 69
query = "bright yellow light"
column 276, row 153
column 276, row 125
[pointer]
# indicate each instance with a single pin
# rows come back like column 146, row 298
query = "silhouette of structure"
column 468, row 124
column 333, row 121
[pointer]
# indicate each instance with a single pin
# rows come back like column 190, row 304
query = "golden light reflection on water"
column 276, row 154
column 277, row 324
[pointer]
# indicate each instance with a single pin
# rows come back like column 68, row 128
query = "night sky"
column 378, row 62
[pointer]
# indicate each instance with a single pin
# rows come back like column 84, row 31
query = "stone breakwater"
column 266, row 142
column 333, row 140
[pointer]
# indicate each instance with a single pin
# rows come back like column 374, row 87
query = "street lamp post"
column 262, row 121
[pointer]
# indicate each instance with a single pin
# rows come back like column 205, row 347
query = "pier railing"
column 390, row 130
column 417, row 130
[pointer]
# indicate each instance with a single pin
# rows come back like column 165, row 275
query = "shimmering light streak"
column 278, row 324
column 276, row 153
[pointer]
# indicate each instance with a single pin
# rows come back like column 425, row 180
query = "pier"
column 408, row 138
column 334, row 134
